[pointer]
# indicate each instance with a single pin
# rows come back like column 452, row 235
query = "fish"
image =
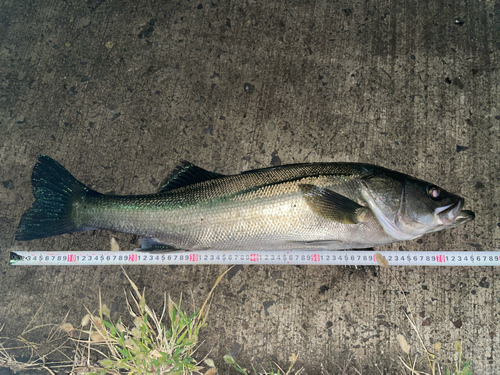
column 322, row 206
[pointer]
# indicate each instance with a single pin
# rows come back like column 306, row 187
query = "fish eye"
column 434, row 192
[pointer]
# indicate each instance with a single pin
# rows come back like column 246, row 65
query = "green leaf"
column 194, row 315
column 209, row 362
column 121, row 339
column 229, row 359
column 181, row 337
column 124, row 352
column 123, row 363
column 169, row 361
column 107, row 362
column 147, row 340
column 141, row 346
column 155, row 363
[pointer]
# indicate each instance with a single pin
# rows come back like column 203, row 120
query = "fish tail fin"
column 55, row 190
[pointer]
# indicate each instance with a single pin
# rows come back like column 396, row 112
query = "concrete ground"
column 120, row 91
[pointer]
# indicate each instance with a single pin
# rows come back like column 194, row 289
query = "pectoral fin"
column 331, row 205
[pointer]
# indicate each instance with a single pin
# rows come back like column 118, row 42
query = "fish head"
column 408, row 208
column 429, row 208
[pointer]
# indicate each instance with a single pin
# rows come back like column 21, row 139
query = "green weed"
column 150, row 346
column 229, row 359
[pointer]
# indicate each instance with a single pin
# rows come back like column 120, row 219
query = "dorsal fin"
column 186, row 174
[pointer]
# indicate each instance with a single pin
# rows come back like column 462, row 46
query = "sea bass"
column 328, row 206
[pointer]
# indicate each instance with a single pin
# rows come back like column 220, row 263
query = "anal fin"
column 319, row 244
column 150, row 244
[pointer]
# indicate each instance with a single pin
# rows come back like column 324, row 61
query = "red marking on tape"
column 254, row 257
column 440, row 258
column 193, row 257
column 132, row 258
column 71, row 258
column 315, row 257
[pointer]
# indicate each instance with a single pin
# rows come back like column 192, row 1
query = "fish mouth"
column 453, row 214
column 464, row 216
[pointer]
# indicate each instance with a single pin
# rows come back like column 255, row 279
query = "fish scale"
column 268, row 217
column 325, row 206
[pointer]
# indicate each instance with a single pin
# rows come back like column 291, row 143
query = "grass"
column 278, row 371
column 150, row 346
column 166, row 343
column 408, row 362
column 155, row 344
column 56, row 342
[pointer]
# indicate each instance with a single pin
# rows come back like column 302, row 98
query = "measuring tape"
column 295, row 257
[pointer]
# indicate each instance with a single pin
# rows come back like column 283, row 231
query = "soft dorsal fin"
column 331, row 205
column 186, row 174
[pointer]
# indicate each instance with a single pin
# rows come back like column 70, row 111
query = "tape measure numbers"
column 295, row 257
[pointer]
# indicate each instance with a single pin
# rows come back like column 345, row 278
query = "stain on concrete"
column 267, row 305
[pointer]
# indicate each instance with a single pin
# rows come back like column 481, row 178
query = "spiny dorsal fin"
column 186, row 174
column 331, row 205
